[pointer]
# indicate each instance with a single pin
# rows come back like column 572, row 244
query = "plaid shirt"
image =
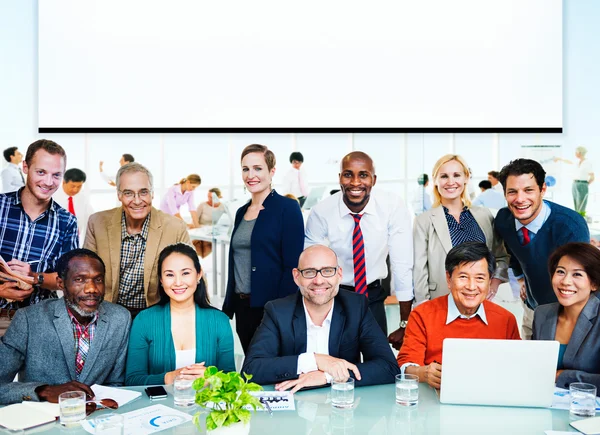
column 83, row 336
column 40, row 242
column 133, row 250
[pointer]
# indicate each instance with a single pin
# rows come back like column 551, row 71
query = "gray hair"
column 132, row 168
column 581, row 150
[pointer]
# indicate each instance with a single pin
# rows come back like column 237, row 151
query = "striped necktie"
column 83, row 349
column 358, row 256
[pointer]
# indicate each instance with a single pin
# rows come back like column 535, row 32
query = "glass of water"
column 183, row 392
column 407, row 390
column 109, row 424
column 71, row 407
column 583, row 399
column 342, row 393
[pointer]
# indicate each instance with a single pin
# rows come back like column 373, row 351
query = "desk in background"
column 220, row 237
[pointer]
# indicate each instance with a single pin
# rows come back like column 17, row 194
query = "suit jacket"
column 432, row 243
column 276, row 244
column 103, row 236
column 39, row 345
column 281, row 338
column 581, row 360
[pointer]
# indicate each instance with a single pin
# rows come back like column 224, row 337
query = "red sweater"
column 427, row 329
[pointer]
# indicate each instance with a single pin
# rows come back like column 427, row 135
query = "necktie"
column 358, row 256
column 71, row 208
column 526, row 238
column 21, row 174
column 82, row 352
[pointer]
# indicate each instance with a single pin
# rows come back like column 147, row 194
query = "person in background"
column 489, row 197
column 532, row 229
column 163, row 344
column 295, row 179
column 450, row 222
column 209, row 213
column 70, row 197
column 421, row 200
column 584, row 176
column 12, row 175
column 573, row 320
column 125, row 158
column 266, row 242
column 290, row 196
column 179, row 194
column 493, row 178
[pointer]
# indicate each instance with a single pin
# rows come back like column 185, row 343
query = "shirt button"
column 253, row 269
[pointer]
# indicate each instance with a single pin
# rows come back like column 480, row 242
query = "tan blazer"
column 432, row 243
column 103, row 236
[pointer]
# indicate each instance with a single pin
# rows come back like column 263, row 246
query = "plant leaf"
column 210, row 423
column 219, row 417
column 243, row 415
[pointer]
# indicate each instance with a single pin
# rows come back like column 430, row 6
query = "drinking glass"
column 407, row 390
column 71, row 407
column 583, row 399
column 109, row 424
column 183, row 392
column 342, row 393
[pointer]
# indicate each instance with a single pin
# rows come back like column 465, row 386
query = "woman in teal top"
column 161, row 344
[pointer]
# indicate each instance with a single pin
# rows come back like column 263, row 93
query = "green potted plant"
column 228, row 396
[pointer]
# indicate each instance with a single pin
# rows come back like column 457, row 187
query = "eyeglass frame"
column 92, row 406
column 130, row 194
column 317, row 271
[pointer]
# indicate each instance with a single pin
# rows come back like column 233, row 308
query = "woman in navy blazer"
column 270, row 229
column 573, row 320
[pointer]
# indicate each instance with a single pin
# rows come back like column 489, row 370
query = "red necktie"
column 71, row 208
column 358, row 255
column 526, row 238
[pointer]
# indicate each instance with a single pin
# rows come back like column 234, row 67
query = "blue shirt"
column 466, row 231
column 535, row 225
column 490, row 199
column 40, row 242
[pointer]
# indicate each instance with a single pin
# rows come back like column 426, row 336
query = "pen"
column 266, row 402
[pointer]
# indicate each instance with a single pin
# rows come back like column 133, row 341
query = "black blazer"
column 281, row 338
column 581, row 361
column 276, row 244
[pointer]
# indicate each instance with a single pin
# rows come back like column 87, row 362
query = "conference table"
column 375, row 412
column 219, row 237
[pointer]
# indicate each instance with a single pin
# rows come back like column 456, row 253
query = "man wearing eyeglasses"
column 130, row 238
column 311, row 337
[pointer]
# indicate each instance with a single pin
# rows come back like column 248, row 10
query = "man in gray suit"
column 66, row 344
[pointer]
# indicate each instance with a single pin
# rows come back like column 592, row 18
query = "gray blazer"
column 432, row 242
column 39, row 345
column 581, row 361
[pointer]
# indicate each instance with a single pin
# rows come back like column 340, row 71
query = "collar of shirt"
column 143, row 234
column 370, row 208
column 79, row 324
column 454, row 314
column 309, row 322
column 16, row 199
column 447, row 212
column 535, row 225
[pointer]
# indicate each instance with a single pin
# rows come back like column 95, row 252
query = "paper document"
column 589, row 426
column 277, row 400
column 147, row 420
column 562, row 399
column 122, row 396
column 28, row 414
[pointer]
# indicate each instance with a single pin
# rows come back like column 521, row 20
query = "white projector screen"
column 385, row 65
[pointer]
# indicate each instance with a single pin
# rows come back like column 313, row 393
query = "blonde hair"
column 581, row 150
column 192, row 178
column 464, row 196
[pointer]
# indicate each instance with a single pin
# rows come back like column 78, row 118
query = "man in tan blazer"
column 130, row 238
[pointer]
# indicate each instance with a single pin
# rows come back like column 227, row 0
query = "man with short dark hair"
column 12, row 175
column 493, row 178
column 295, row 179
column 125, row 158
column 70, row 197
column 66, row 344
column 489, row 197
column 35, row 230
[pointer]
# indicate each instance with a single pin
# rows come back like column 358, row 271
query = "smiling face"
column 317, row 291
column 179, row 278
column 524, row 197
column 44, row 175
column 138, row 206
column 450, row 180
column 256, row 174
column 469, row 285
column 83, row 287
column 571, row 283
column 357, row 177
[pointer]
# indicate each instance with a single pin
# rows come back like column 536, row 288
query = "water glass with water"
column 109, row 424
column 583, row 399
column 407, row 389
column 342, row 393
column 183, row 391
column 71, row 407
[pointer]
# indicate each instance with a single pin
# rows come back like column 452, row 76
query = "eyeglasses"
column 326, row 272
column 130, row 194
column 92, row 405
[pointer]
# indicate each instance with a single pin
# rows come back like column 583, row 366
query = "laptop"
column 498, row 372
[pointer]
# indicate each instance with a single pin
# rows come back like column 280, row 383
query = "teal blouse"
column 151, row 351
column 561, row 354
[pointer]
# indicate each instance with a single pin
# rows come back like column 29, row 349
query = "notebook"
column 28, row 414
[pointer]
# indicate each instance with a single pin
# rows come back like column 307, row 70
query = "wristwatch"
column 40, row 278
column 403, row 324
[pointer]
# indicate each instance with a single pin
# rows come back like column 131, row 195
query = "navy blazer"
column 281, row 338
column 581, row 361
column 275, row 245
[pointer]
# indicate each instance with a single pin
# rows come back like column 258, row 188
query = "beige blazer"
column 432, row 243
column 103, row 236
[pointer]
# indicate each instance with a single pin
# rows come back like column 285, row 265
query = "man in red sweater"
column 465, row 313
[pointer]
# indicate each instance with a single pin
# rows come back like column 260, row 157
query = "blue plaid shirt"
column 40, row 242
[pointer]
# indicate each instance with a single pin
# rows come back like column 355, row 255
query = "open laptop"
column 498, row 372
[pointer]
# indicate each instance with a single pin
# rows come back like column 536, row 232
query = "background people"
column 583, row 177
column 295, row 179
column 125, row 158
column 489, row 197
column 179, row 194
column 209, row 213
column 12, row 175
column 70, row 197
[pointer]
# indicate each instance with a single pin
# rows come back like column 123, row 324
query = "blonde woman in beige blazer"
column 432, row 237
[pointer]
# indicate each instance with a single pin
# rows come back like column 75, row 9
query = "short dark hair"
column 200, row 295
column 47, row 145
column 128, row 158
column 523, row 166
column 296, row 156
column 585, row 254
column 9, row 152
column 485, row 184
column 75, row 175
column 494, row 174
column 62, row 265
column 470, row 252
column 423, row 179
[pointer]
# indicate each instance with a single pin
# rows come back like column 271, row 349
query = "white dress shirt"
column 317, row 341
column 12, row 178
column 386, row 227
column 295, row 183
column 81, row 204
